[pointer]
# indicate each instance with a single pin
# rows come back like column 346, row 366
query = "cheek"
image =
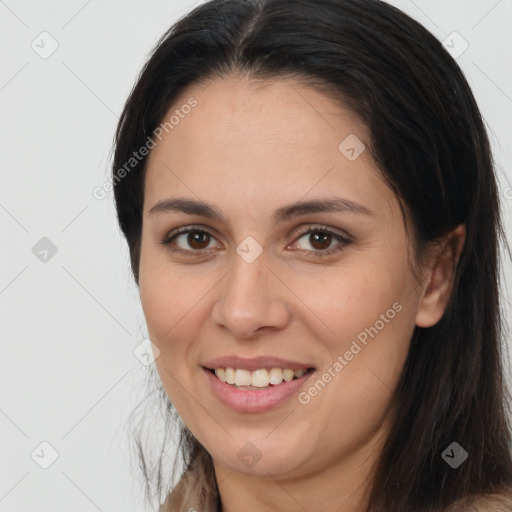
column 174, row 303
column 169, row 304
column 173, row 310
column 356, row 302
column 169, row 296
column 371, row 317
column 351, row 398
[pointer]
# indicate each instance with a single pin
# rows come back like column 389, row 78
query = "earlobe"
column 438, row 284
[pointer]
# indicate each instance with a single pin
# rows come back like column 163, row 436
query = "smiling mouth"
column 258, row 379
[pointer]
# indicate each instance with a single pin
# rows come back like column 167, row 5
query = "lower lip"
column 253, row 400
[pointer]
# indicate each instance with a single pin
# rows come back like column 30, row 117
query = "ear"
column 438, row 284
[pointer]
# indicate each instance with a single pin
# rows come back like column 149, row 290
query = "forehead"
column 271, row 141
column 279, row 112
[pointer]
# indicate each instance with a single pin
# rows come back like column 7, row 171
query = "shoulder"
column 498, row 502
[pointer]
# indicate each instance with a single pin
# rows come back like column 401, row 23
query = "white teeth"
column 230, row 375
column 243, row 378
column 261, row 378
column 288, row 375
column 276, row 376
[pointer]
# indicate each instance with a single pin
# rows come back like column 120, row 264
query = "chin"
column 273, row 460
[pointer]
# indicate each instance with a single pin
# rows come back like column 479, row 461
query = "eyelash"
column 344, row 242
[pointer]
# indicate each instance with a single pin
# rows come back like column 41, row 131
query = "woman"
column 308, row 196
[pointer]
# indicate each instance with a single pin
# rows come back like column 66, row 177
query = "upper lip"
column 255, row 363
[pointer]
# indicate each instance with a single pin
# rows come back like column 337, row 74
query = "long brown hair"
column 428, row 138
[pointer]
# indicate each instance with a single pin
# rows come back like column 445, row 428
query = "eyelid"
column 312, row 227
column 344, row 240
column 297, row 231
column 186, row 229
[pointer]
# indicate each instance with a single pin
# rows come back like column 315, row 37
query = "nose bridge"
column 249, row 299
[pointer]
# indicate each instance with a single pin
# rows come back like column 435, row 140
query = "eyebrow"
column 194, row 207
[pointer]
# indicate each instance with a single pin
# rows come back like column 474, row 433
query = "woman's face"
column 257, row 288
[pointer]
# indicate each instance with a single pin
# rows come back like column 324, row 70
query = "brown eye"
column 198, row 239
column 190, row 241
column 320, row 240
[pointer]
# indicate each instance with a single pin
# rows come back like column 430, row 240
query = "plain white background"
column 70, row 324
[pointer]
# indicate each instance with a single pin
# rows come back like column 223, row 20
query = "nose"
column 252, row 300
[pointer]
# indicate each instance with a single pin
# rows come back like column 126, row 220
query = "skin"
column 249, row 148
